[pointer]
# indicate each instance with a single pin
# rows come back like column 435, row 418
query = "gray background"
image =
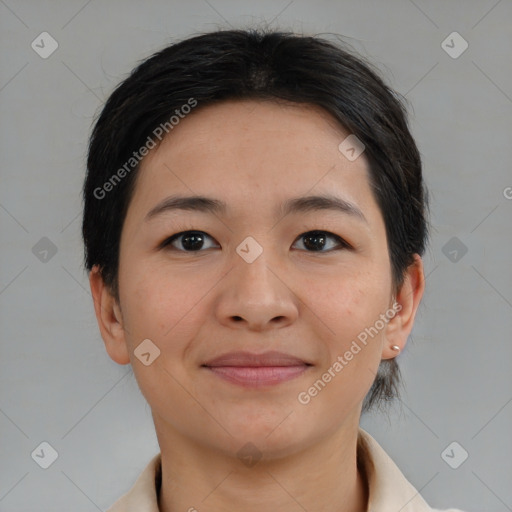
column 58, row 384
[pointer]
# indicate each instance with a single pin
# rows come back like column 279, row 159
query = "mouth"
column 257, row 370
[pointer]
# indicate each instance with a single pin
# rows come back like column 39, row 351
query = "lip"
column 243, row 358
column 257, row 370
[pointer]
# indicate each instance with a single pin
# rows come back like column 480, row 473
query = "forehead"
column 251, row 153
column 242, row 125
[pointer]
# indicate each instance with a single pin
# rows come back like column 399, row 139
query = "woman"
column 254, row 220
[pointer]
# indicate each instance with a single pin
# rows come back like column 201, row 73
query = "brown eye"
column 316, row 241
column 187, row 241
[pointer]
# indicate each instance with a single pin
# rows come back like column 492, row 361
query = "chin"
column 274, row 435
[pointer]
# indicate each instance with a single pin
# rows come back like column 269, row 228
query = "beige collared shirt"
column 389, row 489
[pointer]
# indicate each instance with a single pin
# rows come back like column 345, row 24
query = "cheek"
column 165, row 306
column 351, row 308
column 349, row 302
column 165, row 310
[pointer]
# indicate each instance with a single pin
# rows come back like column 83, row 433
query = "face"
column 252, row 304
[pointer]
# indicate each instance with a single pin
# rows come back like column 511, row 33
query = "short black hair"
column 265, row 65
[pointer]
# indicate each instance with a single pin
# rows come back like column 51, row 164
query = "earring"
column 396, row 348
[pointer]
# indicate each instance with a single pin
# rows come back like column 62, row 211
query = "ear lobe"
column 407, row 301
column 109, row 318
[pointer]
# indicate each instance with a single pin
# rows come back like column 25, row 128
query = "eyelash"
column 166, row 244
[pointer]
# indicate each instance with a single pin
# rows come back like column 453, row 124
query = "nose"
column 256, row 296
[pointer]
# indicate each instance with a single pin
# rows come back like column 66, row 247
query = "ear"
column 109, row 317
column 407, row 302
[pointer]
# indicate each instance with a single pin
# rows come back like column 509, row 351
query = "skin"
column 198, row 305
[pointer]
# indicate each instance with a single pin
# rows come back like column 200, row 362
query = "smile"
column 257, row 370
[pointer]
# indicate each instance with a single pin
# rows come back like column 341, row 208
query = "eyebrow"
column 294, row 205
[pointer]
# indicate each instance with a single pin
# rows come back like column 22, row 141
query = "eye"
column 312, row 241
column 190, row 241
column 316, row 241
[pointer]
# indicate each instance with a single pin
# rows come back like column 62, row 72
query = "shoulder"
column 447, row 510
column 389, row 489
column 143, row 496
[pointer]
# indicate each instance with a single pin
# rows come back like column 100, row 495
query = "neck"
column 323, row 477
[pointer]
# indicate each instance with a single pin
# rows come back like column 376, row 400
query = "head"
column 255, row 120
